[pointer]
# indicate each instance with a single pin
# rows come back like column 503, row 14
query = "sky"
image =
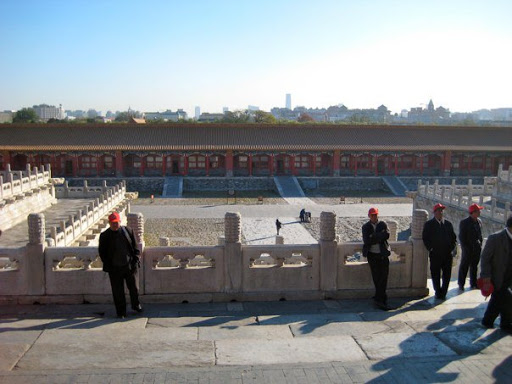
column 155, row 55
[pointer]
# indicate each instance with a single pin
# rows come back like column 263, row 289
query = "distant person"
column 302, row 215
column 376, row 249
column 120, row 256
column 440, row 240
column 278, row 226
column 0, row 232
column 470, row 236
column 496, row 278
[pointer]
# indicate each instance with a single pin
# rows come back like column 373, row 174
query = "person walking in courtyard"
column 470, row 236
column 440, row 240
column 120, row 256
column 278, row 226
column 496, row 278
column 376, row 249
column 302, row 215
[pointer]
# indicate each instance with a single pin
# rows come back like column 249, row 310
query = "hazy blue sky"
column 157, row 55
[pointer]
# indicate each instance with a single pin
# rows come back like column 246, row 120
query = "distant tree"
column 305, row 118
column 124, row 117
column 264, row 117
column 240, row 116
column 25, row 115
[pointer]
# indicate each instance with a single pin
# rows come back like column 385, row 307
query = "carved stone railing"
column 84, row 192
column 68, row 231
column 218, row 273
column 15, row 183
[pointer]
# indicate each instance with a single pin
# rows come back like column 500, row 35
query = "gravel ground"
column 205, row 232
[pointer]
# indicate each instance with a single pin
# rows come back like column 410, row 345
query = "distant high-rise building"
column 197, row 113
column 46, row 112
column 288, row 101
column 253, row 108
column 225, row 109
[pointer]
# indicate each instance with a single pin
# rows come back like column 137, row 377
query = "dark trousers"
column 379, row 266
column 117, row 279
column 441, row 269
column 469, row 261
column 499, row 304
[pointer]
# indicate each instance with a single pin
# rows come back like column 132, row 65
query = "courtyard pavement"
column 337, row 341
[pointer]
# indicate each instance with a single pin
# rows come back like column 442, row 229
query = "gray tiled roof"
column 65, row 137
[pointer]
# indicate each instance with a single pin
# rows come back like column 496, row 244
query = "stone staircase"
column 395, row 185
column 173, row 187
column 288, row 186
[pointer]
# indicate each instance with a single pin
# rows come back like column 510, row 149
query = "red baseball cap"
column 475, row 207
column 114, row 217
column 438, row 206
column 373, row 211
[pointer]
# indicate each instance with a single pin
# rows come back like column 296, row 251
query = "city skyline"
column 157, row 55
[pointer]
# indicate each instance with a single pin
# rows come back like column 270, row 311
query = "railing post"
column 328, row 252
column 34, row 261
column 233, row 262
column 419, row 252
column 136, row 223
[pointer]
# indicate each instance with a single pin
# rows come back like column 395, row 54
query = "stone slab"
column 118, row 348
column 478, row 340
column 349, row 328
column 10, row 354
column 201, row 321
column 402, row 345
column 304, row 319
column 74, row 323
column 267, row 332
column 293, row 351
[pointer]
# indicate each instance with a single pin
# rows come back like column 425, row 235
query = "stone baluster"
column 66, row 188
column 53, row 233
column 393, row 230
column 509, row 175
column 104, row 186
column 86, row 189
column 507, row 212
column 427, row 186
column 164, row 242
column 1, row 187
column 493, row 207
column 233, row 262
column 418, row 186
column 8, row 168
column 328, row 252
column 34, row 255
column 420, row 254
column 136, row 223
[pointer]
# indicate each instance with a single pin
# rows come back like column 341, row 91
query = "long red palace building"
column 130, row 150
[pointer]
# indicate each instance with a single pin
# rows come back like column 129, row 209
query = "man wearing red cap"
column 376, row 249
column 470, row 236
column 120, row 256
column 496, row 278
column 440, row 240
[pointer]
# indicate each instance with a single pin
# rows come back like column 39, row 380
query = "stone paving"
column 336, row 341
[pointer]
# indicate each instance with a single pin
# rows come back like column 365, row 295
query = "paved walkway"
column 258, row 231
column 218, row 211
column 337, row 341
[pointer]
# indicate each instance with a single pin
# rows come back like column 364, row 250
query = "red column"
column 292, row 165
column 354, row 158
column 186, row 166
column 119, row 164
column 271, row 165
column 250, row 164
column 74, row 160
column 207, row 164
column 336, row 163
column 229, row 163
column 447, row 162
column 376, row 161
column 142, row 160
column 7, row 158
column 421, row 164
column 164, row 164
column 314, row 164
column 396, row 165
column 98, row 165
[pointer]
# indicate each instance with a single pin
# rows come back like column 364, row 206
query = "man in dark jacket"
column 470, row 236
column 496, row 272
column 440, row 240
column 376, row 250
column 120, row 256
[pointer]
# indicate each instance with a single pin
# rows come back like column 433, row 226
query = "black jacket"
column 379, row 236
column 106, row 249
column 440, row 240
column 470, row 238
